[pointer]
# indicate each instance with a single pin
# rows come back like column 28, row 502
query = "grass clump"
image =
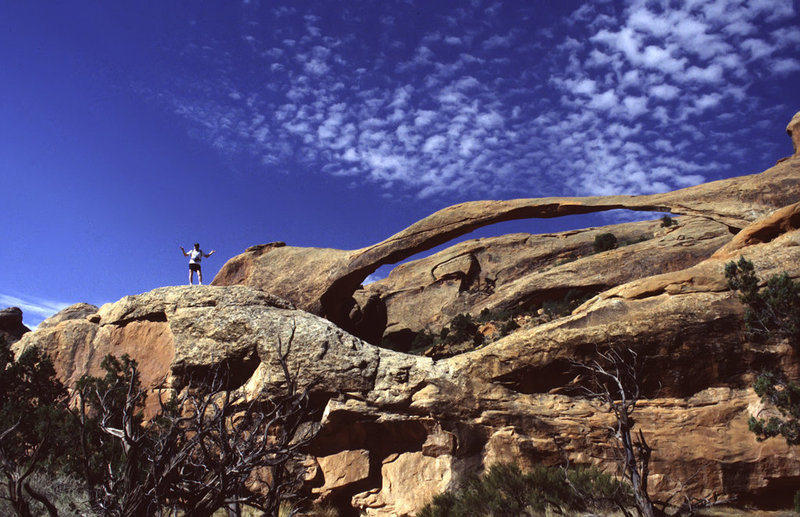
column 506, row 490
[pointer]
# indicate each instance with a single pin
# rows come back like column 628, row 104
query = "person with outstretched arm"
column 195, row 256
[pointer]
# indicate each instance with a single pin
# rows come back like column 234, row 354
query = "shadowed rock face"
column 11, row 327
column 322, row 281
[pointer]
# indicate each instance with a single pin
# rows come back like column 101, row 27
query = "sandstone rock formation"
column 793, row 129
column 395, row 423
column 322, row 281
column 73, row 312
column 398, row 428
column 522, row 270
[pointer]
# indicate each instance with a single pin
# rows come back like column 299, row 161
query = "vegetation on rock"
column 34, row 426
column 772, row 312
column 604, row 242
column 207, row 448
column 462, row 331
column 506, row 490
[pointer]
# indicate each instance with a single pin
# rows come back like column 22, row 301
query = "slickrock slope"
column 322, row 281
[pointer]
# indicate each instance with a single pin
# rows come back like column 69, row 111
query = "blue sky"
column 130, row 128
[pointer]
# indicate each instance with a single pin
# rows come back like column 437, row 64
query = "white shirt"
column 195, row 256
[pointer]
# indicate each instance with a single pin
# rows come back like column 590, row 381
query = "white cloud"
column 497, row 41
column 785, row 65
column 489, row 120
column 758, row 48
column 664, row 91
column 584, row 86
column 604, row 101
column 635, row 106
column 710, row 74
column 434, row 144
column 592, row 106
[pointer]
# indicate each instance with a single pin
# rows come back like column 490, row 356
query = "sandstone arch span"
column 322, row 280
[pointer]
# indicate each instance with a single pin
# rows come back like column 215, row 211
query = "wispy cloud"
column 472, row 104
column 34, row 310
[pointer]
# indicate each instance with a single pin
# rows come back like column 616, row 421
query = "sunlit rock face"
column 399, row 428
column 793, row 129
column 325, row 281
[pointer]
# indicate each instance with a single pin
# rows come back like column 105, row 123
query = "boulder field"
column 399, row 428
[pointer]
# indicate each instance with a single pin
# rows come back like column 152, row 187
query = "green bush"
column 463, row 329
column 508, row 327
column 421, row 342
column 604, row 242
column 506, row 490
column 36, row 428
column 667, row 221
column 770, row 311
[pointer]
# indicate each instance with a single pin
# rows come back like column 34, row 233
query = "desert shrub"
column 321, row 510
column 667, row 221
column 508, row 327
column 35, row 428
column 571, row 300
column 785, row 396
column 634, row 240
column 487, row 315
column 463, row 329
column 769, row 311
column 66, row 493
column 506, row 490
column 604, row 242
column 421, row 342
column 198, row 453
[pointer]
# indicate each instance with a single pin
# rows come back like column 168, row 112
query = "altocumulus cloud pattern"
column 490, row 99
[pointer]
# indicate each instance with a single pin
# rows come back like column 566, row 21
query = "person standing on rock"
column 195, row 256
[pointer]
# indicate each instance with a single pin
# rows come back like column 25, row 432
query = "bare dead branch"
column 202, row 451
